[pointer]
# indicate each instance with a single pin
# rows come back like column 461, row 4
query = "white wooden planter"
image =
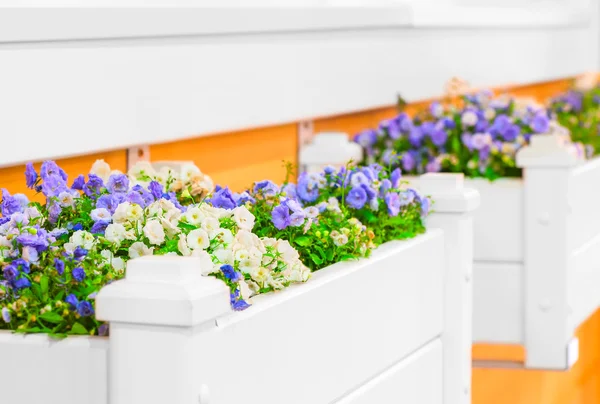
column 391, row 328
column 536, row 253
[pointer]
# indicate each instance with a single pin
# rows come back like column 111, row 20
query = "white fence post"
column 329, row 148
column 547, row 164
column 154, row 313
column 452, row 212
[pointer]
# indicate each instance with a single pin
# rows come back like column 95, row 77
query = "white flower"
column 243, row 218
column 183, row 247
column 212, row 226
column 247, row 239
column 224, row 255
column 206, row 264
column 83, row 239
column 338, row 238
column 164, row 174
column 120, row 215
column 258, row 274
column 469, row 118
column 154, row 231
column 100, row 214
column 224, row 236
column 134, row 212
column 188, row 171
column 118, row 264
column 115, row 233
column 286, row 250
column 139, row 249
column 69, row 247
column 32, row 212
column 312, row 211
column 198, row 239
column 245, row 291
column 218, row 213
column 101, row 169
column 130, row 234
column 489, row 114
column 194, row 216
column 66, row 199
column 141, row 169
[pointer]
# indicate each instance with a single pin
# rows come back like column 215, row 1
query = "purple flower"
column 94, row 186
column 54, row 211
column 156, row 189
column 22, row 283
column 395, row 177
column 53, row 186
column 223, row 198
column 298, row 215
column 80, row 253
column 31, row 175
column 135, row 197
column 238, row 304
column 407, row 197
column 78, row 183
column 404, row 122
column 290, row 190
column 393, row 129
column 392, row 201
column 117, row 183
column 449, row 123
column 59, row 265
column 433, row 166
column 10, row 273
column 39, row 240
column 439, row 137
column 308, row 187
column 415, row 136
column 436, row 109
column 78, row 274
column 30, row 254
column 72, row 301
column 9, row 204
column 109, row 202
column 357, row 179
column 6, row 315
column 230, row 273
column 243, row 198
column 85, row 309
column 511, row 133
column 22, row 265
column 390, row 157
column 99, row 227
column 385, row 186
column 357, row 197
column 103, row 330
column 540, row 123
column 146, row 195
column 171, row 196
column 366, row 138
column 266, row 188
column 425, row 205
column 51, row 169
column 280, row 216
column 408, row 161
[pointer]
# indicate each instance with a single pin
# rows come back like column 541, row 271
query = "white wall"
column 81, row 79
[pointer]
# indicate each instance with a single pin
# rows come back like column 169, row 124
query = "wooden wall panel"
column 13, row 178
column 237, row 159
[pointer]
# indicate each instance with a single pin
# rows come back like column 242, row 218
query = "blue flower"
column 146, row 195
column 449, row 123
column 156, row 189
column 78, row 274
column 266, row 188
column 540, row 123
column 99, row 227
column 243, row 198
column 439, row 137
column 31, row 175
column 136, row 198
column 10, row 204
column 408, row 162
column 308, row 187
column 392, row 201
column 357, row 197
column 59, row 265
column 298, row 215
column 415, row 136
column 280, row 216
column 109, row 202
column 79, row 253
column 51, row 169
column 6, row 315
column 22, row 283
column 395, row 177
column 39, row 240
column 237, row 303
column 22, row 265
column 223, row 198
column 290, row 191
column 433, row 166
column 94, row 186
column 10, row 272
column 72, row 301
column 230, row 273
column 390, row 157
column 384, row 187
column 511, row 133
column 407, row 197
column 85, row 309
column 117, row 183
column 366, row 138
column 78, row 183
column 425, row 204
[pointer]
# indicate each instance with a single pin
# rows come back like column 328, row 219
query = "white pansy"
column 258, row 274
column 247, row 239
column 286, row 250
column 188, row 171
column 218, row 213
column 134, row 212
column 242, row 254
column 101, row 169
column 120, row 215
column 66, row 199
column 101, row 214
column 212, row 226
column 243, row 218
column 140, row 169
column 155, row 232
column 139, row 249
column 245, row 291
column 489, row 113
column 118, row 264
column 224, row 236
column 70, row 247
column 194, row 216
column 182, row 246
column 224, row 255
column 32, row 212
column 166, row 205
column 198, row 239
column 469, row 118
column 115, row 233
column 206, row 264
column 83, row 238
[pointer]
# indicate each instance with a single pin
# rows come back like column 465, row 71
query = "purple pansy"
column 78, row 183
column 78, row 274
column 392, row 201
column 266, row 188
column 31, row 175
column 280, row 216
column 357, row 197
column 223, row 198
column 117, row 183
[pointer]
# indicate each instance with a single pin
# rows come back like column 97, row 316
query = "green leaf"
column 303, row 241
column 37, row 290
column 186, row 226
column 51, row 317
column 44, row 287
column 316, row 259
column 78, row 329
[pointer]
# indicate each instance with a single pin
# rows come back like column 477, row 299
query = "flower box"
column 394, row 327
column 536, row 252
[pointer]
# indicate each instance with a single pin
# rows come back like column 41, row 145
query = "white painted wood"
column 345, row 322
column 329, row 148
column 105, row 94
column 36, row 369
column 453, row 213
column 404, row 381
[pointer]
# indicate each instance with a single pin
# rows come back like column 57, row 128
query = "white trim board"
column 61, row 99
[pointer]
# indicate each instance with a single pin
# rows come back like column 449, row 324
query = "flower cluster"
column 479, row 136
